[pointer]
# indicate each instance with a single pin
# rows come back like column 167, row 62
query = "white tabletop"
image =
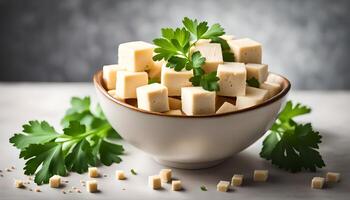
column 20, row 103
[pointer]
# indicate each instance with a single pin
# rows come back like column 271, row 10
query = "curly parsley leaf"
column 253, row 82
column 204, row 188
column 133, row 172
column 82, row 144
column 290, row 145
column 201, row 30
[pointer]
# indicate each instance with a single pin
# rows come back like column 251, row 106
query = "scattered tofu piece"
column 93, row 172
column 55, row 181
column 174, row 104
column 197, row 101
column 127, row 82
column 173, row 112
column 136, row 56
column 120, row 175
column 165, row 175
column 317, row 182
column 91, row 186
column 153, row 97
column 155, row 70
column 237, row 180
column 212, row 54
column 258, row 71
column 174, row 80
column 227, row 37
column 254, row 96
column 113, row 94
column 109, row 75
column 19, row 184
column 232, row 79
column 246, row 50
column 261, row 175
column 226, row 107
column 176, row 185
column 154, row 182
column 272, row 88
column 223, row 186
column 333, row 177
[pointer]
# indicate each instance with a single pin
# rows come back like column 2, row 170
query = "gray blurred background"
column 68, row 40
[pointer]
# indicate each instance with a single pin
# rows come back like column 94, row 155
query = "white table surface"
column 22, row 102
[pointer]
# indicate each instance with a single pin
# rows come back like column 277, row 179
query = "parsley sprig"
column 290, row 145
column 175, row 47
column 82, row 143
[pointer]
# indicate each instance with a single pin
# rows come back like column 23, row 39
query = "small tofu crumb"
column 91, row 186
column 55, row 181
column 1, row 175
column 222, row 186
column 30, row 189
column 317, row 182
column 30, row 178
column 105, row 175
column 78, row 191
column 165, row 175
column 82, row 182
column 154, row 182
column 261, row 175
column 70, row 191
column 237, row 180
column 176, row 185
column 64, row 192
column 19, row 184
column 37, row 190
column 120, row 174
column 93, row 172
column 13, row 167
column 8, row 170
column 333, row 177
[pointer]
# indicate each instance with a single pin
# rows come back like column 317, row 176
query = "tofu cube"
column 317, row 182
column 254, row 96
column 223, row 186
column 226, row 107
column 272, row 88
column 176, row 185
column 333, row 177
column 261, row 175
column 55, row 181
column 109, row 75
column 273, row 78
column 91, row 186
column 154, row 182
column 246, row 50
column 227, row 37
column 232, row 79
column 120, row 175
column 212, row 54
column 19, row 184
column 155, row 70
column 174, row 104
column 93, row 172
column 113, row 94
column 135, row 56
column 173, row 112
column 237, row 180
column 174, row 80
column 165, row 175
column 153, row 97
column 127, row 82
column 197, row 101
column 258, row 71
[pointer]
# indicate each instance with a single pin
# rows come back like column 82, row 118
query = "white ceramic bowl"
column 190, row 141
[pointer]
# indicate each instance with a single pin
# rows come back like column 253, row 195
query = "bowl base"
column 183, row 165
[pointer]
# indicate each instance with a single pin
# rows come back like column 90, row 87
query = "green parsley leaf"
column 48, row 157
column 227, row 55
column 290, row 145
column 204, row 188
column 133, row 172
column 34, row 132
column 82, row 143
column 253, row 82
column 175, row 44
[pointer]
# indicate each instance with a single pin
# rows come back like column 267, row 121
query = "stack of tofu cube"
column 175, row 95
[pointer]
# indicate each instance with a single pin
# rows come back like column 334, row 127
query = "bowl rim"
column 97, row 79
